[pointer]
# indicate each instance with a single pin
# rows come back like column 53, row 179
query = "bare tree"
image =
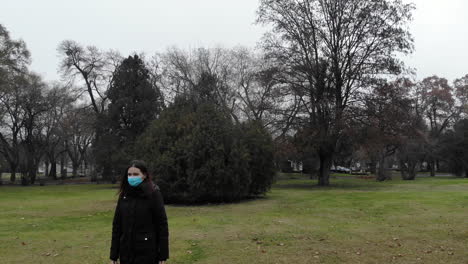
column 328, row 51
column 59, row 99
column 437, row 106
column 388, row 122
column 14, row 62
column 79, row 134
column 93, row 66
column 34, row 105
column 14, row 56
column 12, row 123
column 461, row 93
column 184, row 71
column 94, row 69
column 260, row 96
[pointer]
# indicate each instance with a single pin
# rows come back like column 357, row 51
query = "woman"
column 139, row 230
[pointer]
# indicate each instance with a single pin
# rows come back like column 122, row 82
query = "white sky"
column 440, row 29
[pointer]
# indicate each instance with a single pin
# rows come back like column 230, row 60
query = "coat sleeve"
column 116, row 232
column 161, row 225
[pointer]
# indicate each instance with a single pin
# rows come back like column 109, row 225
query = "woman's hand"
column 114, row 262
column 162, row 262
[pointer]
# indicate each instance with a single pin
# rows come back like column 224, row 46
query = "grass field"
column 353, row 221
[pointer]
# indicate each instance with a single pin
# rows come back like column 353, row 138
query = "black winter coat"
column 139, row 230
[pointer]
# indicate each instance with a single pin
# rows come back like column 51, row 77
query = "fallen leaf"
column 22, row 243
column 189, row 251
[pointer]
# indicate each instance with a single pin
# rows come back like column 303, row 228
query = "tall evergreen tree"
column 134, row 103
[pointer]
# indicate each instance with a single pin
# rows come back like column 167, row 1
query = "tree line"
column 325, row 86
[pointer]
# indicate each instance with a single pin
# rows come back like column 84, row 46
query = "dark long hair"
column 148, row 182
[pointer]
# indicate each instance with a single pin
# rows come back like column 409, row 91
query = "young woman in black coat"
column 139, row 230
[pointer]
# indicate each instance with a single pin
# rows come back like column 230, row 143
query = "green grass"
column 352, row 221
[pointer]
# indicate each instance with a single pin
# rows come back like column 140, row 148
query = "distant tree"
column 437, row 105
column 461, row 93
column 412, row 153
column 59, row 99
column 285, row 150
column 454, row 148
column 387, row 121
column 78, row 129
column 14, row 57
column 327, row 51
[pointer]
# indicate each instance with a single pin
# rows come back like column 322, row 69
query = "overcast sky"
column 440, row 29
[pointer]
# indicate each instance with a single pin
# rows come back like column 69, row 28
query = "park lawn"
column 353, row 221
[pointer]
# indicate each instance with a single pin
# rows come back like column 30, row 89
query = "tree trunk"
column 411, row 171
column 383, row 174
column 432, row 168
column 93, row 173
column 13, row 173
column 32, row 174
column 24, row 179
column 53, row 169
column 63, row 170
column 75, row 166
column 403, row 170
column 324, row 170
column 46, row 169
column 107, row 174
column 32, row 169
column 373, row 167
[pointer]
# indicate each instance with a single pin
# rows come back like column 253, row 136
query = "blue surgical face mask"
column 134, row 180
